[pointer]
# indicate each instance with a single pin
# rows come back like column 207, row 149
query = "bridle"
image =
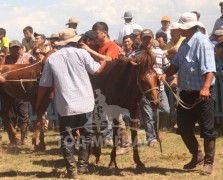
column 140, row 86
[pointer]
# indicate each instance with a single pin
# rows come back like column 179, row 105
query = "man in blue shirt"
column 196, row 69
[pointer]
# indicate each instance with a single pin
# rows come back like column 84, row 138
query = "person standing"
column 21, row 107
column 4, row 45
column 67, row 70
column 28, row 39
column 165, row 22
column 128, row 27
column 147, row 38
column 72, row 23
column 219, row 22
column 195, row 64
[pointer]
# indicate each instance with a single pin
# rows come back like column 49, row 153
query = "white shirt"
column 67, row 69
column 167, row 33
column 127, row 30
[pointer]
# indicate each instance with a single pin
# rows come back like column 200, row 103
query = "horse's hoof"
column 98, row 159
column 140, row 165
column 34, row 141
column 113, row 166
column 39, row 148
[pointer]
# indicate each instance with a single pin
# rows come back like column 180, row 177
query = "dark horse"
column 21, row 82
column 123, row 83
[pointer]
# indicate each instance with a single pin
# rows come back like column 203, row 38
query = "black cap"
column 42, row 35
column 89, row 34
column 221, row 4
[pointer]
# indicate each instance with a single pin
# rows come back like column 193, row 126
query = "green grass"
column 18, row 162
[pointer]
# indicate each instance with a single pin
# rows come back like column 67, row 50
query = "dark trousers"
column 68, row 125
column 203, row 113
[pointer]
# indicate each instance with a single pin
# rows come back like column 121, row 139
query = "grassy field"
column 19, row 162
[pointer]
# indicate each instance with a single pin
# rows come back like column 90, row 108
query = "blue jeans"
column 147, row 115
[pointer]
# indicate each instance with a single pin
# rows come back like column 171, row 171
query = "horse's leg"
column 36, row 133
column 42, row 145
column 11, row 130
column 115, row 144
column 134, row 125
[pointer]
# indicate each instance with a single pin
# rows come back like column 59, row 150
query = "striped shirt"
column 67, row 69
column 161, row 64
column 194, row 59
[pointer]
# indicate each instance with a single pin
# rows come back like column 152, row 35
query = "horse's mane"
column 146, row 60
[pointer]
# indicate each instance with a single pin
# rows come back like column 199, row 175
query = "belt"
column 190, row 91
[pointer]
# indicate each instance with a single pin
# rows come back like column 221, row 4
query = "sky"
column 50, row 16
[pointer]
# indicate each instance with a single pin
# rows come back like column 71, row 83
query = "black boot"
column 83, row 157
column 68, row 154
column 209, row 149
column 195, row 149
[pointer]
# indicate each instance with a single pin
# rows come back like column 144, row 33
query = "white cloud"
column 52, row 17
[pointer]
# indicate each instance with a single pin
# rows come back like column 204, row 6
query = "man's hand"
column 161, row 77
column 204, row 94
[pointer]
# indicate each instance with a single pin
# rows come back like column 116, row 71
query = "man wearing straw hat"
column 67, row 70
column 72, row 23
column 195, row 64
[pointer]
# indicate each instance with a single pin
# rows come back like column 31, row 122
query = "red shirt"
column 109, row 49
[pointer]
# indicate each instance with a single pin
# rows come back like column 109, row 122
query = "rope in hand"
column 183, row 104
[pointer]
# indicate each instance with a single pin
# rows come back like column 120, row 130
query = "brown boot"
column 209, row 149
column 194, row 148
column 197, row 159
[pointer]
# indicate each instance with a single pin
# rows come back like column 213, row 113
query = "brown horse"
column 21, row 82
column 123, row 83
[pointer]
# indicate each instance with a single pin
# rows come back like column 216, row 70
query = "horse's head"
column 147, row 80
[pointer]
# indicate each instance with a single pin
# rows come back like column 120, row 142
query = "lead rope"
column 21, row 82
column 183, row 104
column 157, row 129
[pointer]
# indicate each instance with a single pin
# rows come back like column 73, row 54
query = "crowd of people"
column 183, row 52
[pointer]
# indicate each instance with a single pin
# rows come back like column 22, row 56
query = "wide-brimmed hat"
column 147, row 32
column 174, row 26
column 66, row 36
column 128, row 15
column 53, row 36
column 187, row 21
column 15, row 43
column 72, row 21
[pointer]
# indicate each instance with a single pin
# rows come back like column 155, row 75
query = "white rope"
column 21, row 68
column 183, row 104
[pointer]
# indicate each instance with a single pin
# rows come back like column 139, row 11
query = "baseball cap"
column 15, row 43
column 147, row 32
column 165, row 18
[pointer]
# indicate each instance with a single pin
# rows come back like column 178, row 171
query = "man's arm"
column 41, row 93
column 205, row 91
column 96, row 55
column 103, row 64
column 171, row 70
